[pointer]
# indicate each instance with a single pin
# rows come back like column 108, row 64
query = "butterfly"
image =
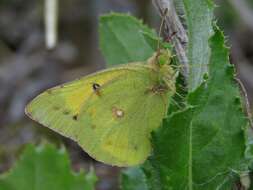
column 111, row 113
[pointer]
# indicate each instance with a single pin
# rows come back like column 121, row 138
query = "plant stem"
column 51, row 19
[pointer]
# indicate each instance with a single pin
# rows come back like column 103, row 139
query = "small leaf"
column 133, row 179
column 44, row 168
column 199, row 16
column 125, row 39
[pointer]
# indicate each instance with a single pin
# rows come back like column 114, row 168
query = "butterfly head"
column 161, row 63
column 160, row 58
column 163, row 57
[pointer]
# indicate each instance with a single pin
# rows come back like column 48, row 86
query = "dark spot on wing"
column 66, row 112
column 96, row 86
column 109, row 143
column 93, row 126
column 56, row 108
column 75, row 117
column 135, row 147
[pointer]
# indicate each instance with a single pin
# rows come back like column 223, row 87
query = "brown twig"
column 174, row 26
column 247, row 105
column 243, row 74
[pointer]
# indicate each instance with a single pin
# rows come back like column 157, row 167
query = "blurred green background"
column 27, row 68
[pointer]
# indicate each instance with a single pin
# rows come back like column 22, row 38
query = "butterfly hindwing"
column 110, row 114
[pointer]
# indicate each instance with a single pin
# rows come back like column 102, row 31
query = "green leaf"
column 203, row 146
column 199, row 15
column 44, row 168
column 133, row 179
column 125, row 39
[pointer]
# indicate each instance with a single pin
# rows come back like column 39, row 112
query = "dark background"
column 27, row 68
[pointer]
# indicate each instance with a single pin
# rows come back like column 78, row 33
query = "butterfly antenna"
column 176, row 104
column 179, row 95
column 160, row 30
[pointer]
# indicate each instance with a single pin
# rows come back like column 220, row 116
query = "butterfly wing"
column 112, row 123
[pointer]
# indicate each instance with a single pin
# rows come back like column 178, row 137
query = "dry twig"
column 174, row 26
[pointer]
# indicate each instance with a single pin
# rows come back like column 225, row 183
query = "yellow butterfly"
column 111, row 113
